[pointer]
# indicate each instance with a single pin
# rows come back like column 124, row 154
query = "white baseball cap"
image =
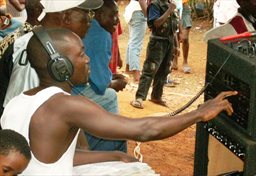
column 51, row 6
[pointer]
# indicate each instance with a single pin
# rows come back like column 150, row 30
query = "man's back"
column 32, row 121
column 98, row 47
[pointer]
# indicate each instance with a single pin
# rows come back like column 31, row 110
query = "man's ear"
column 99, row 15
column 66, row 17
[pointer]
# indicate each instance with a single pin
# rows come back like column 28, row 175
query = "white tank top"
column 17, row 116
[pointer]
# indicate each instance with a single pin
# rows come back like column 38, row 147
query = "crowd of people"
column 59, row 82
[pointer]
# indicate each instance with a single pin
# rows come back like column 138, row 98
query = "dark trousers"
column 155, row 68
column 100, row 144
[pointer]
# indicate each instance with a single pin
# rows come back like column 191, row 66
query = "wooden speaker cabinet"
column 220, row 149
column 227, row 144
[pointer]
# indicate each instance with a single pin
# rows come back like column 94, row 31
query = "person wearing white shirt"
column 223, row 11
column 243, row 21
column 135, row 16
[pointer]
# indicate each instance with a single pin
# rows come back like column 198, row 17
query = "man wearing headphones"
column 50, row 118
column 70, row 14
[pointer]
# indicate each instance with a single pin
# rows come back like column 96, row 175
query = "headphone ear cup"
column 60, row 69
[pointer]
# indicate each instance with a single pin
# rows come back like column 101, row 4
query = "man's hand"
column 125, row 157
column 118, row 82
column 18, row 4
column 213, row 107
column 172, row 6
column 119, row 61
column 176, row 51
column 118, row 76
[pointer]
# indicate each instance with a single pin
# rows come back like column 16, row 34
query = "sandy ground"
column 175, row 155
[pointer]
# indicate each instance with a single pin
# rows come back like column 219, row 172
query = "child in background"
column 162, row 21
column 14, row 153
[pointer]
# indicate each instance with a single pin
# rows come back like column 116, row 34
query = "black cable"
column 201, row 91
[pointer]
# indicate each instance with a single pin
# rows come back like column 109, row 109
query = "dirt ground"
column 175, row 155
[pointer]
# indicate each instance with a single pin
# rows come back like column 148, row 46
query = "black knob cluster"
column 232, row 145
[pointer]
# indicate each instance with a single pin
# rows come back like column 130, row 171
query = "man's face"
column 75, row 52
column 80, row 21
column 12, row 164
column 109, row 18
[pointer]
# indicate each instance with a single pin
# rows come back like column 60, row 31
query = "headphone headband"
column 46, row 41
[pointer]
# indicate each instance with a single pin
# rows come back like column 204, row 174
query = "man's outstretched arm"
column 95, row 120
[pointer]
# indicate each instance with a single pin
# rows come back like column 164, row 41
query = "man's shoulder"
column 96, row 33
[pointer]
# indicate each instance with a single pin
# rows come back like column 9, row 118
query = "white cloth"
column 51, row 6
column 130, row 8
column 17, row 116
column 224, row 10
column 21, row 115
column 23, row 77
column 226, row 29
column 179, row 6
column 59, row 5
column 114, row 168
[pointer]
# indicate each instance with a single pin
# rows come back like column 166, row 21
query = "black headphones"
column 59, row 67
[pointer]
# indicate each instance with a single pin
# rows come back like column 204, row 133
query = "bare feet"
column 136, row 75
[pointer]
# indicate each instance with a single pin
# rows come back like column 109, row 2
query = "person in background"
column 19, row 5
column 160, row 51
column 243, row 21
column 179, row 7
column 2, row 7
column 186, row 24
column 103, row 85
column 73, row 15
column 7, row 48
column 170, row 82
column 34, row 9
column 12, row 26
column 16, row 8
column 8, row 23
column 223, row 11
column 14, row 153
column 116, row 60
column 135, row 15
column 50, row 118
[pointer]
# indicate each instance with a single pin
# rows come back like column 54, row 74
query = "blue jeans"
column 137, row 29
column 108, row 101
